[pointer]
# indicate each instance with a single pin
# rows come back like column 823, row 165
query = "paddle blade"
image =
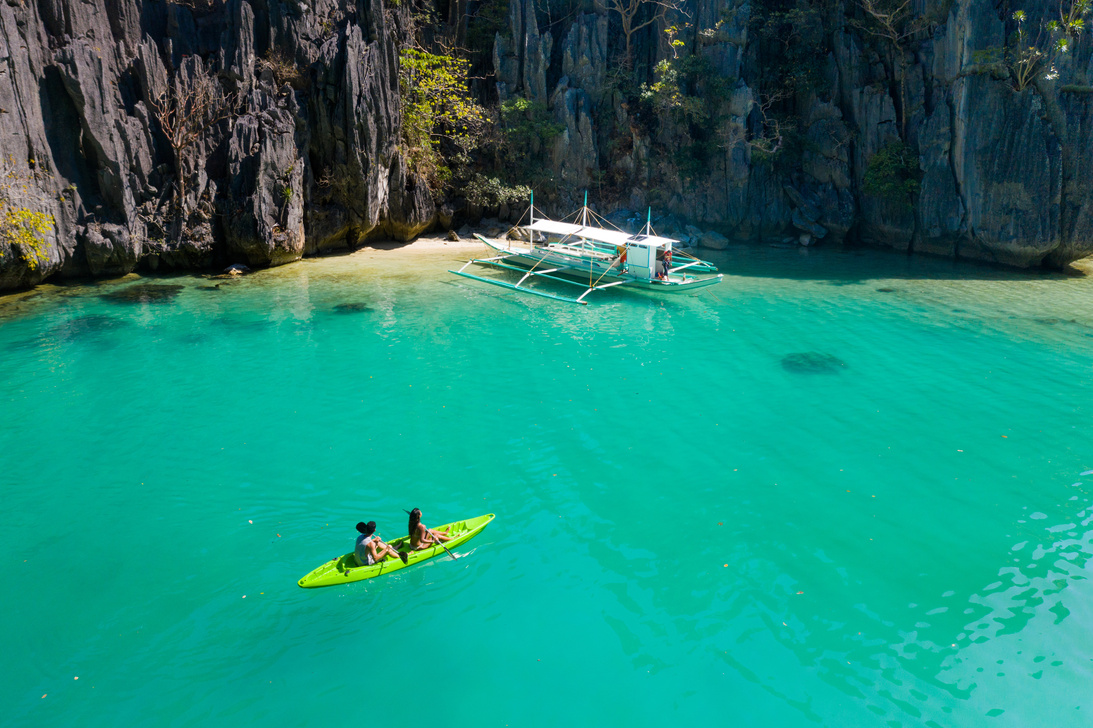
column 403, row 555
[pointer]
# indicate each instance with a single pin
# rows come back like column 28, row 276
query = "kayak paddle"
column 405, row 557
column 437, row 537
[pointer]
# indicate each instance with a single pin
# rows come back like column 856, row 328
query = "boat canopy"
column 653, row 241
column 602, row 235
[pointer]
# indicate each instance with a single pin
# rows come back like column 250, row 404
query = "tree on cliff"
column 635, row 15
column 188, row 109
column 1031, row 57
column 437, row 107
column 897, row 25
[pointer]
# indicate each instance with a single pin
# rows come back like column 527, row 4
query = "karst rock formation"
column 299, row 151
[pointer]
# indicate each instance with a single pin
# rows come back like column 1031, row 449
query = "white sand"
column 428, row 244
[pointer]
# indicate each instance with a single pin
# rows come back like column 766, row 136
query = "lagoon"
column 840, row 488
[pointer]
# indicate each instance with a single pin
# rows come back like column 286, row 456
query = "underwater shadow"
column 840, row 265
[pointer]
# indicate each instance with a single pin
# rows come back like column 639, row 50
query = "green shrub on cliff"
column 437, row 107
column 1033, row 50
column 21, row 228
column 490, row 192
column 1028, row 55
column 528, row 127
column 667, row 94
column 893, row 174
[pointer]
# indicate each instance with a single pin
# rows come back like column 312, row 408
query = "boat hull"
column 344, row 569
column 582, row 268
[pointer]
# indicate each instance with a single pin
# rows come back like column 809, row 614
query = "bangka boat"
column 586, row 253
column 346, row 568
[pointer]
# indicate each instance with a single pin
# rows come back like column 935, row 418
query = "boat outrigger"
column 594, row 257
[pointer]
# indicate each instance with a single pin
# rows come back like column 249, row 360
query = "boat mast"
column 532, row 208
column 584, row 211
column 649, row 221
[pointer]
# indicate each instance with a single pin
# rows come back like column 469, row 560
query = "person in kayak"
column 421, row 537
column 370, row 550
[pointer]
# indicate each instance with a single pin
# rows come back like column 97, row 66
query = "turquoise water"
column 794, row 499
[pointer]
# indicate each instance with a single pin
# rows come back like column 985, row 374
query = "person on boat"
column 620, row 250
column 667, row 262
column 661, row 267
column 421, row 537
column 370, row 550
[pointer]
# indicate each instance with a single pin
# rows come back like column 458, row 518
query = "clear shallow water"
column 888, row 527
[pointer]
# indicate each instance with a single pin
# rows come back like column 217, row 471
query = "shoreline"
column 424, row 246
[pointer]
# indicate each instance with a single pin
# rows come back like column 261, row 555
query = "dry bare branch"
column 186, row 110
column 630, row 10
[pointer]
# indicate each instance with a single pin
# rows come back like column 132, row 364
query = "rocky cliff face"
column 303, row 158
column 994, row 173
column 732, row 127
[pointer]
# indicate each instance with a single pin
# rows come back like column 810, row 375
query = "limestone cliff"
column 768, row 116
column 305, row 157
column 753, row 119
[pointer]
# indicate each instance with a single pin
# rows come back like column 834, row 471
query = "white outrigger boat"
column 593, row 257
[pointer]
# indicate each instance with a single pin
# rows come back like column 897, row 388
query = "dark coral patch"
column 144, row 293
column 89, row 325
column 812, row 362
column 887, row 290
column 352, row 308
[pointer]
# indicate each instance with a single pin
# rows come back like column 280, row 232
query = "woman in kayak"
column 421, row 537
column 370, row 550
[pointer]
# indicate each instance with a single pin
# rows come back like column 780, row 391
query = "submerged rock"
column 88, row 325
column 887, row 290
column 144, row 293
column 354, row 307
column 812, row 362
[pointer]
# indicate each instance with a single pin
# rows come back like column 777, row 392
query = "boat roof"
column 614, row 237
column 654, row 241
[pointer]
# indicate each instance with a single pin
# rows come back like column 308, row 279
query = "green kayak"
column 346, row 569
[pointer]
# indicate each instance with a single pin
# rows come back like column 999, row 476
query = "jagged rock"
column 109, row 249
column 584, row 54
column 939, row 200
column 522, row 57
column 713, row 240
column 453, row 236
column 265, row 194
column 803, row 223
column 574, row 153
column 412, row 209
